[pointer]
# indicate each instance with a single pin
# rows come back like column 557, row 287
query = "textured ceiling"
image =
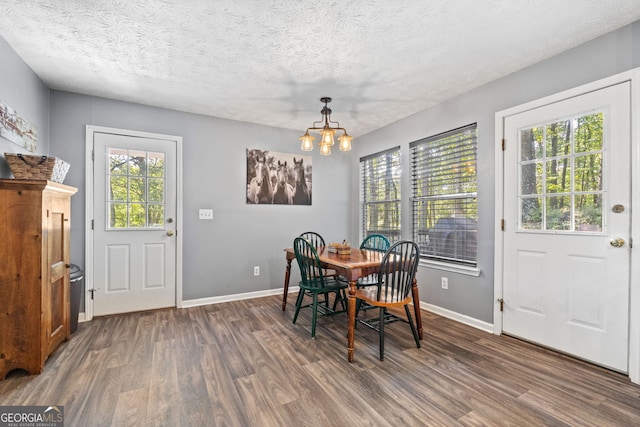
column 269, row 61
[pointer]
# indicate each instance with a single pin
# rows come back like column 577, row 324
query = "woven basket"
column 37, row 167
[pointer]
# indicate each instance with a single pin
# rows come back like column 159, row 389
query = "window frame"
column 394, row 233
column 463, row 228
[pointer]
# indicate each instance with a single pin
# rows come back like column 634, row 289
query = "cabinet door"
column 57, row 261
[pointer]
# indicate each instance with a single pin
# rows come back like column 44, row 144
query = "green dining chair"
column 375, row 242
column 318, row 242
column 314, row 238
column 314, row 283
column 392, row 289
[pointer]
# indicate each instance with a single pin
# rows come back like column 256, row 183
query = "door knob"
column 170, row 233
column 618, row 242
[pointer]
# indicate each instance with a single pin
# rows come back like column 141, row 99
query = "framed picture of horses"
column 278, row 178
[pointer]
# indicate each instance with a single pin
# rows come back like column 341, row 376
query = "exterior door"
column 134, row 223
column 566, row 267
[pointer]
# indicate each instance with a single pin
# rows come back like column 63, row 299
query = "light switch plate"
column 205, row 214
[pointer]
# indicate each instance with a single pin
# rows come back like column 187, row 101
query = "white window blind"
column 380, row 194
column 444, row 196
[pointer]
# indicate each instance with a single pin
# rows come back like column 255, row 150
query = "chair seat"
column 328, row 285
column 369, row 294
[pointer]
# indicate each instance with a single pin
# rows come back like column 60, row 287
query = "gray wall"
column 22, row 90
column 260, row 232
column 610, row 54
column 219, row 255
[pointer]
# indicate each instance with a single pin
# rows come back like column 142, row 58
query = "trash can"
column 75, row 277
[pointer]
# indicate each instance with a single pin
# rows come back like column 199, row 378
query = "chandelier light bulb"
column 345, row 142
column 327, row 133
column 327, row 136
column 307, row 141
column 325, row 149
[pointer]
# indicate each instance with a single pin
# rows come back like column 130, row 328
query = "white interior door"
column 566, row 265
column 134, row 223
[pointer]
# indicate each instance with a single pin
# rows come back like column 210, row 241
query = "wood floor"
column 244, row 364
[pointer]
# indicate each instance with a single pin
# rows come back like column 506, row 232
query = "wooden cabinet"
column 34, row 272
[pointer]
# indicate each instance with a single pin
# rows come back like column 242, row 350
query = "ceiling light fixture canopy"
column 327, row 133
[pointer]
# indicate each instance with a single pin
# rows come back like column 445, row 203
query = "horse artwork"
column 283, row 194
column 278, row 178
column 259, row 189
column 301, row 191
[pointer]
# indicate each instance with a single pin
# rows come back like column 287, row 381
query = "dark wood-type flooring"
column 244, row 364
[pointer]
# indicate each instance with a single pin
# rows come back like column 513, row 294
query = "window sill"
column 460, row 269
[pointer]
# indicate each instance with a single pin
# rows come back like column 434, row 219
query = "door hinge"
column 630, row 242
column 92, row 291
column 501, row 301
column 504, row 144
column 92, row 224
column 502, row 224
column 93, row 156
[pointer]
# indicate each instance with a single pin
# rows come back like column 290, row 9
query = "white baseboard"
column 467, row 320
column 235, row 297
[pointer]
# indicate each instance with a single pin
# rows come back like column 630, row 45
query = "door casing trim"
column 89, row 202
column 632, row 76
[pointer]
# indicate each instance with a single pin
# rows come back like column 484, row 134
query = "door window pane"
column 558, row 138
column 532, row 213
column 589, row 132
column 137, row 215
column 156, row 190
column 589, row 212
column 137, row 163
column 532, row 178
column 156, row 216
column 588, row 172
column 531, row 144
column 118, row 188
column 558, row 180
column 558, row 213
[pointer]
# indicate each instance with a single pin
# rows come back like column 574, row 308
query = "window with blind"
column 380, row 194
column 444, row 196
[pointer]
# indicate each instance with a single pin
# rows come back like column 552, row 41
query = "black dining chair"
column 315, row 283
column 392, row 289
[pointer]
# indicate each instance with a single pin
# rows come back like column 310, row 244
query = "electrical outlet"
column 205, row 214
column 256, row 270
column 445, row 283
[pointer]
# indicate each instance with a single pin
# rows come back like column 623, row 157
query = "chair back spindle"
column 314, row 238
column 397, row 271
column 308, row 261
column 375, row 242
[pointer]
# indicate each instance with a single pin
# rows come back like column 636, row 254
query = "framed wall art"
column 278, row 178
column 16, row 129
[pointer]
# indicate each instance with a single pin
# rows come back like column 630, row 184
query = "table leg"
column 416, row 306
column 286, row 284
column 352, row 320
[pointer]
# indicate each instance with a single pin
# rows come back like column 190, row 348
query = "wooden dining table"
column 359, row 263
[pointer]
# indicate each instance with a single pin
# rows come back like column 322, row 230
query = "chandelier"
column 326, row 133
